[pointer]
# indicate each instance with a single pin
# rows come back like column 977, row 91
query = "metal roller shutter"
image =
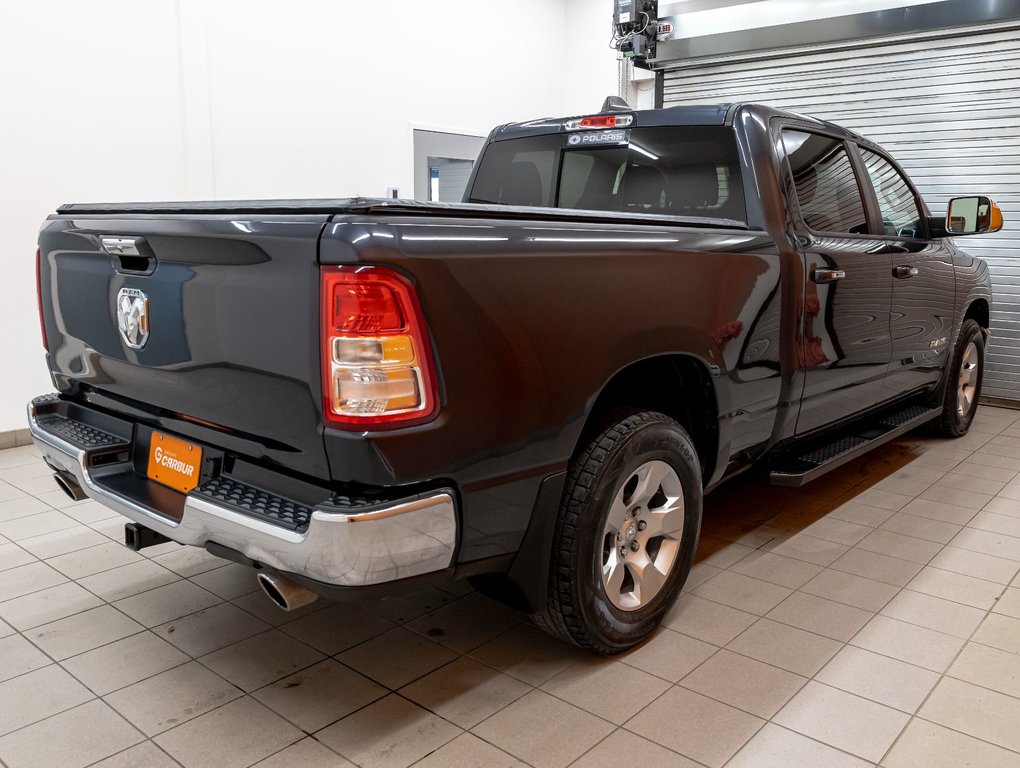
column 947, row 107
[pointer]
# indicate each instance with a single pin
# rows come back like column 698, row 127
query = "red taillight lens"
column 377, row 364
column 603, row 121
column 369, row 308
column 38, row 294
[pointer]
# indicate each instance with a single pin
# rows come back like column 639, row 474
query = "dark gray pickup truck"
column 533, row 388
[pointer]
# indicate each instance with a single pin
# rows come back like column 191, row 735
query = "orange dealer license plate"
column 174, row 462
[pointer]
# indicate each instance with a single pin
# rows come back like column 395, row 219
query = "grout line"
column 942, row 676
column 133, row 746
column 619, row 728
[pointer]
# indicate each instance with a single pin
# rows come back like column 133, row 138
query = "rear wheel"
column 626, row 534
column 964, row 384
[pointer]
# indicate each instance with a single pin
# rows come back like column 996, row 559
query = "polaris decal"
column 612, row 137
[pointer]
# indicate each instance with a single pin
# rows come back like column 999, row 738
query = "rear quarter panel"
column 530, row 321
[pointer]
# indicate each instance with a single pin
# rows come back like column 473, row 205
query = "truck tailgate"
column 232, row 312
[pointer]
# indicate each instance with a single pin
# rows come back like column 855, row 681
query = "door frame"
column 433, row 141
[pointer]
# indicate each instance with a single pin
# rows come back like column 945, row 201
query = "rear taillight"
column 38, row 294
column 377, row 362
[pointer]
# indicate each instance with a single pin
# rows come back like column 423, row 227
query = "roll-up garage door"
column 947, row 107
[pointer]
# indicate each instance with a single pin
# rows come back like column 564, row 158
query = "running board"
column 794, row 470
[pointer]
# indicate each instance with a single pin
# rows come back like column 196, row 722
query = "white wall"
column 193, row 99
column 589, row 69
column 313, row 101
column 90, row 109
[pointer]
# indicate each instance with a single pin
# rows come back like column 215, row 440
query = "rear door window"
column 677, row 171
column 828, row 194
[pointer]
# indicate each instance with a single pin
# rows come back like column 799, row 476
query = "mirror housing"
column 973, row 216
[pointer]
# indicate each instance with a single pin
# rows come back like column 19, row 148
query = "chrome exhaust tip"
column 69, row 485
column 284, row 592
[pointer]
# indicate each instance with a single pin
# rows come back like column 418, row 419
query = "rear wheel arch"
column 677, row 385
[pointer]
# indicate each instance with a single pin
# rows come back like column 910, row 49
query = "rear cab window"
column 828, row 194
column 674, row 171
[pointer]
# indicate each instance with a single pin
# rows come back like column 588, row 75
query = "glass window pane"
column 827, row 192
column 676, row 171
column 900, row 214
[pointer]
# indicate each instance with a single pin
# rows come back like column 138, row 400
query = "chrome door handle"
column 828, row 275
column 904, row 271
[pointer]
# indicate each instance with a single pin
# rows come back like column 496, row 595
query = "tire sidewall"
column 971, row 332
column 659, row 440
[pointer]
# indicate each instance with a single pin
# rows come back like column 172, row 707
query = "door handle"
column 903, row 271
column 828, row 275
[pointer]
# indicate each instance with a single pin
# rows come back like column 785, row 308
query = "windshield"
column 677, row 171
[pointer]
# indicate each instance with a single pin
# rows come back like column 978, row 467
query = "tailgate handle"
column 130, row 254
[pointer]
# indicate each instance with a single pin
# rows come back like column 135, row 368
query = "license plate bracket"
column 173, row 462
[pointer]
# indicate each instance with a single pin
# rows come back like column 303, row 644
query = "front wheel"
column 963, row 386
column 626, row 533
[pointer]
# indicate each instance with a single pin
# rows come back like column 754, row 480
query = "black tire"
column 954, row 421
column 578, row 608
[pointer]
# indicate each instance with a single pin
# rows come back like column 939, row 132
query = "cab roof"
column 696, row 114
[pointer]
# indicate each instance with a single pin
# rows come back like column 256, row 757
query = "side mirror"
column 973, row 216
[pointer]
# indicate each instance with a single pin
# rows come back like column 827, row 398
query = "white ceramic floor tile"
column 71, row 739
column 18, row 656
column 391, row 733
column 882, row 679
column 159, row 703
column 777, row 747
column 124, row 662
column 261, row 659
column 37, row 695
column 47, row 605
column 908, row 642
column 744, row 683
column 979, row 712
column 233, row 736
column 128, row 580
column 397, row 657
column 861, row 727
column 307, row 753
column 319, row 695
column 166, row 603
column 638, row 751
column 82, row 632
column 530, row 655
column 669, row 655
column 465, row 692
column 710, row 732
column 928, row 745
column 210, row 629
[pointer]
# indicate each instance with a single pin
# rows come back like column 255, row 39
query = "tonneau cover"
column 368, row 205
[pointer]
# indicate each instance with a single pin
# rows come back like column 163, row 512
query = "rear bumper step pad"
column 344, row 541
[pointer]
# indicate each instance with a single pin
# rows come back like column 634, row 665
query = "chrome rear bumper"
column 404, row 538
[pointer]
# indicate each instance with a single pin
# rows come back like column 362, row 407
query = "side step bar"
column 796, row 469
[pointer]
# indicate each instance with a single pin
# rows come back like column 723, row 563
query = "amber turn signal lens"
column 385, row 350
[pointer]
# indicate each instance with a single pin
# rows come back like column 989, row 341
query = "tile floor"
column 870, row 618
